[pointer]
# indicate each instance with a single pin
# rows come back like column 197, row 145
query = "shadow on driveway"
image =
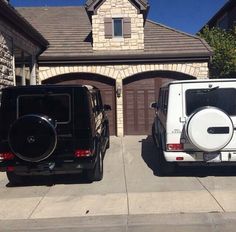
column 150, row 155
column 53, row 180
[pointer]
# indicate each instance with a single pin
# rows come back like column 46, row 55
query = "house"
column 20, row 44
column 112, row 45
column 225, row 18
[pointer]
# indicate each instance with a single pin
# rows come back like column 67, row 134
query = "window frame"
column 122, row 27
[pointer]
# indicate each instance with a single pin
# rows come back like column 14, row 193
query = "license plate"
column 212, row 157
column 46, row 166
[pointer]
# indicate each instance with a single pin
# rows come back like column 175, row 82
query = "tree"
column 223, row 43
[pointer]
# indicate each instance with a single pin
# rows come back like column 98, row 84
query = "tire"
column 154, row 136
column 33, row 138
column 108, row 143
column 96, row 174
column 108, row 138
column 15, row 179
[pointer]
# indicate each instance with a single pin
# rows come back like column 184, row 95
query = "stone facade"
column 121, row 9
column 197, row 70
column 6, row 61
column 121, row 72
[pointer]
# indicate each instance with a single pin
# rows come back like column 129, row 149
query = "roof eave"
column 11, row 16
column 91, row 6
column 134, row 58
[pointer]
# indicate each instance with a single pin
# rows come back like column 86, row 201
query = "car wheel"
column 108, row 139
column 154, row 138
column 96, row 174
column 15, row 179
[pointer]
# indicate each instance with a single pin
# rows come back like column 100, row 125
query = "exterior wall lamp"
column 118, row 91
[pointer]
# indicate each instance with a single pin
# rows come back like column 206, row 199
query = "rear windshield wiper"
column 200, row 91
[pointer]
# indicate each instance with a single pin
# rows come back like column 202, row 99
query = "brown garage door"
column 107, row 92
column 138, row 95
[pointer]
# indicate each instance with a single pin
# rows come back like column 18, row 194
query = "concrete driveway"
column 130, row 187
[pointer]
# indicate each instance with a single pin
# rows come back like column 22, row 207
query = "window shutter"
column 108, row 28
column 127, row 27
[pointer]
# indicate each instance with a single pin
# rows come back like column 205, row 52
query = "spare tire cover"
column 209, row 129
column 32, row 137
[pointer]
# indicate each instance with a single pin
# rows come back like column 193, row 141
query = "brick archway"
column 198, row 70
column 105, row 84
column 121, row 73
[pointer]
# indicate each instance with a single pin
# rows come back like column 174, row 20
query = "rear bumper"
column 202, row 157
column 48, row 167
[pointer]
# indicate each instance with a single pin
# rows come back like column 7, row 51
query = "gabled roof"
column 92, row 5
column 69, row 31
column 11, row 16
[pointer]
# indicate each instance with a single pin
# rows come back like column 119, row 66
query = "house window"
column 118, row 27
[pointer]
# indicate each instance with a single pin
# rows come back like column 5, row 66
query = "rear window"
column 55, row 106
column 222, row 98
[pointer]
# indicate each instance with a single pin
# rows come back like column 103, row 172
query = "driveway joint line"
column 30, row 215
column 126, row 185
column 211, row 194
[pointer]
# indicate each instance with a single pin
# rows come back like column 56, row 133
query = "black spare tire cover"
column 33, row 137
column 209, row 129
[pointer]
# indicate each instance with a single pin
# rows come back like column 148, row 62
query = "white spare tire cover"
column 209, row 129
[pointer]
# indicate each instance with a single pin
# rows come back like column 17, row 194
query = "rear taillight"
column 83, row 153
column 175, row 147
column 7, row 156
column 10, row 169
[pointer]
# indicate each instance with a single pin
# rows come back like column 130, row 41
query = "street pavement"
column 131, row 196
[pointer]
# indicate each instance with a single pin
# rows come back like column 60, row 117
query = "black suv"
column 52, row 129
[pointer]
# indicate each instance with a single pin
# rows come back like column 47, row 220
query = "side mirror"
column 107, row 107
column 154, row 105
column 96, row 109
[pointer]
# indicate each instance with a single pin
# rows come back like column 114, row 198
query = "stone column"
column 23, row 78
column 119, row 108
column 14, row 70
column 33, row 71
column 6, row 61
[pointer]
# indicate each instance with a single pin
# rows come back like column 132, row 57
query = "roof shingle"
column 68, row 30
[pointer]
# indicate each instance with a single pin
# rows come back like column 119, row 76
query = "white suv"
column 195, row 121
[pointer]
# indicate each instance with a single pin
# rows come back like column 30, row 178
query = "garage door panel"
column 108, row 98
column 138, row 117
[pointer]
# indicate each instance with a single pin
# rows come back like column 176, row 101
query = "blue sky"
column 186, row 15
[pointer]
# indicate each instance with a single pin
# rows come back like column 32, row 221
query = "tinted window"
column 224, row 99
column 56, row 107
column 163, row 100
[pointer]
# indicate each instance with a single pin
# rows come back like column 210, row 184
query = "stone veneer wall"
column 118, row 8
column 120, row 72
column 6, row 61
